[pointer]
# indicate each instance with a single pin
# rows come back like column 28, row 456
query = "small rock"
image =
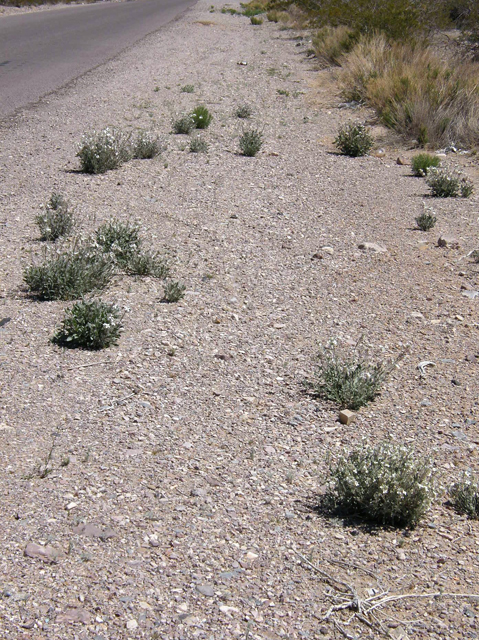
column 379, row 153
column 347, row 417
column 425, row 403
column 328, row 250
column 317, row 256
column 28, row 624
column 270, row 450
column 47, row 554
column 372, row 246
column 402, row 161
column 401, row 555
column 467, row 287
column 71, row 505
column 131, row 625
column 248, row 559
column 289, row 515
column 74, row 615
column 470, row 294
column 228, row 610
column 448, row 242
column 206, row 590
column 92, row 531
column 198, row 492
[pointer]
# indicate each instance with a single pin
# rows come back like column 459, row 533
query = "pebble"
column 74, row 615
column 372, row 246
column 92, row 531
column 347, row 417
column 205, row 590
column 47, row 554
column 131, row 625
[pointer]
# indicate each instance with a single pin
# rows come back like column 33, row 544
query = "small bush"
column 120, row 240
column 445, row 183
column 426, row 220
column 173, row 291
column 146, row 146
column 464, row 496
column 201, row 117
column 256, row 21
column 349, row 382
column 147, row 263
column 251, row 142
column 188, row 88
column 89, row 325
column 56, row 220
column 422, row 163
column 184, row 125
column 252, row 9
column 354, row 140
column 197, row 145
column 229, row 10
column 70, row 274
column 283, row 92
column 104, row 150
column 385, row 484
column 243, row 111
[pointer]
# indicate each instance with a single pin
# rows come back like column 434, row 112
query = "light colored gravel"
column 193, row 440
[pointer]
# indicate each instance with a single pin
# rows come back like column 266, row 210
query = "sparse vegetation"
column 187, row 88
column 386, row 484
column 120, row 240
column 426, row 220
column 252, row 9
column 423, row 162
column 283, row 92
column 330, row 44
column 251, row 142
column 256, row 21
column 183, row 125
column 146, row 146
column 147, row 263
column 104, row 150
column 464, row 496
column 243, row 111
column 69, row 274
column 354, row 140
column 446, row 183
column 89, row 325
column 198, row 145
column 56, row 219
column 349, row 382
column 173, row 291
column 201, row 117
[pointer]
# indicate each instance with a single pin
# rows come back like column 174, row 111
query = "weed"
column 173, row 291
column 184, row 125
column 283, row 92
column 146, row 146
column 229, row 10
column 252, row 9
column 187, row 88
column 147, row 263
column 243, row 111
column 119, row 239
column 385, row 484
column 445, row 183
column 464, row 496
column 256, row 21
column 474, row 255
column 56, row 220
column 104, row 150
column 89, row 325
column 354, row 140
column 349, row 382
column 251, row 142
column 198, row 145
column 426, row 220
column 422, row 162
column 201, row 117
column 69, row 274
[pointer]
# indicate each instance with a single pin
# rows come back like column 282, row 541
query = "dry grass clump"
column 332, row 43
column 414, row 91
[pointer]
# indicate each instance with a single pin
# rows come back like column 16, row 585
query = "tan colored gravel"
column 194, row 454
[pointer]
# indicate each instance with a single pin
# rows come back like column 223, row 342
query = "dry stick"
column 419, row 595
column 331, row 580
column 90, row 364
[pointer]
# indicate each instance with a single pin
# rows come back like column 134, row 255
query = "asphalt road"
column 42, row 51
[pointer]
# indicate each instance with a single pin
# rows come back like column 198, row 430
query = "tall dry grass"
column 414, row 91
column 332, row 43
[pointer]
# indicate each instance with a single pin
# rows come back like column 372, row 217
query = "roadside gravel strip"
column 183, row 463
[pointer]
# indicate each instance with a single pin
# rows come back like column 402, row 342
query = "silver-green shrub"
column 445, row 183
column 101, row 151
column 56, row 219
column 354, row 140
column 89, row 325
column 146, row 146
column 464, row 495
column 251, row 142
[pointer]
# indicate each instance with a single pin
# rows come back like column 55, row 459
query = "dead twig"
column 90, row 364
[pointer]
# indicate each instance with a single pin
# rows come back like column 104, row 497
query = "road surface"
column 44, row 50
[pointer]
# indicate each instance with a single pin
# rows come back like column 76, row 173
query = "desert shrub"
column 332, row 43
column 188, row 88
column 173, row 291
column 349, row 382
column 464, row 496
column 56, row 219
column 69, row 274
column 251, row 142
column 243, row 111
column 354, row 140
column 426, row 220
column 283, row 92
column 422, row 162
column 201, row 117
column 413, row 90
column 198, row 145
column 229, row 10
column 256, row 21
column 146, row 145
column 89, row 325
column 184, row 125
column 120, row 240
column 386, row 484
column 252, row 9
column 101, row 151
column 147, row 263
column 445, row 183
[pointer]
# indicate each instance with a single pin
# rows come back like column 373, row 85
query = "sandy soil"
column 184, row 463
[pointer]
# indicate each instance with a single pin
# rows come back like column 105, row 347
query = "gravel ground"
column 185, row 461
